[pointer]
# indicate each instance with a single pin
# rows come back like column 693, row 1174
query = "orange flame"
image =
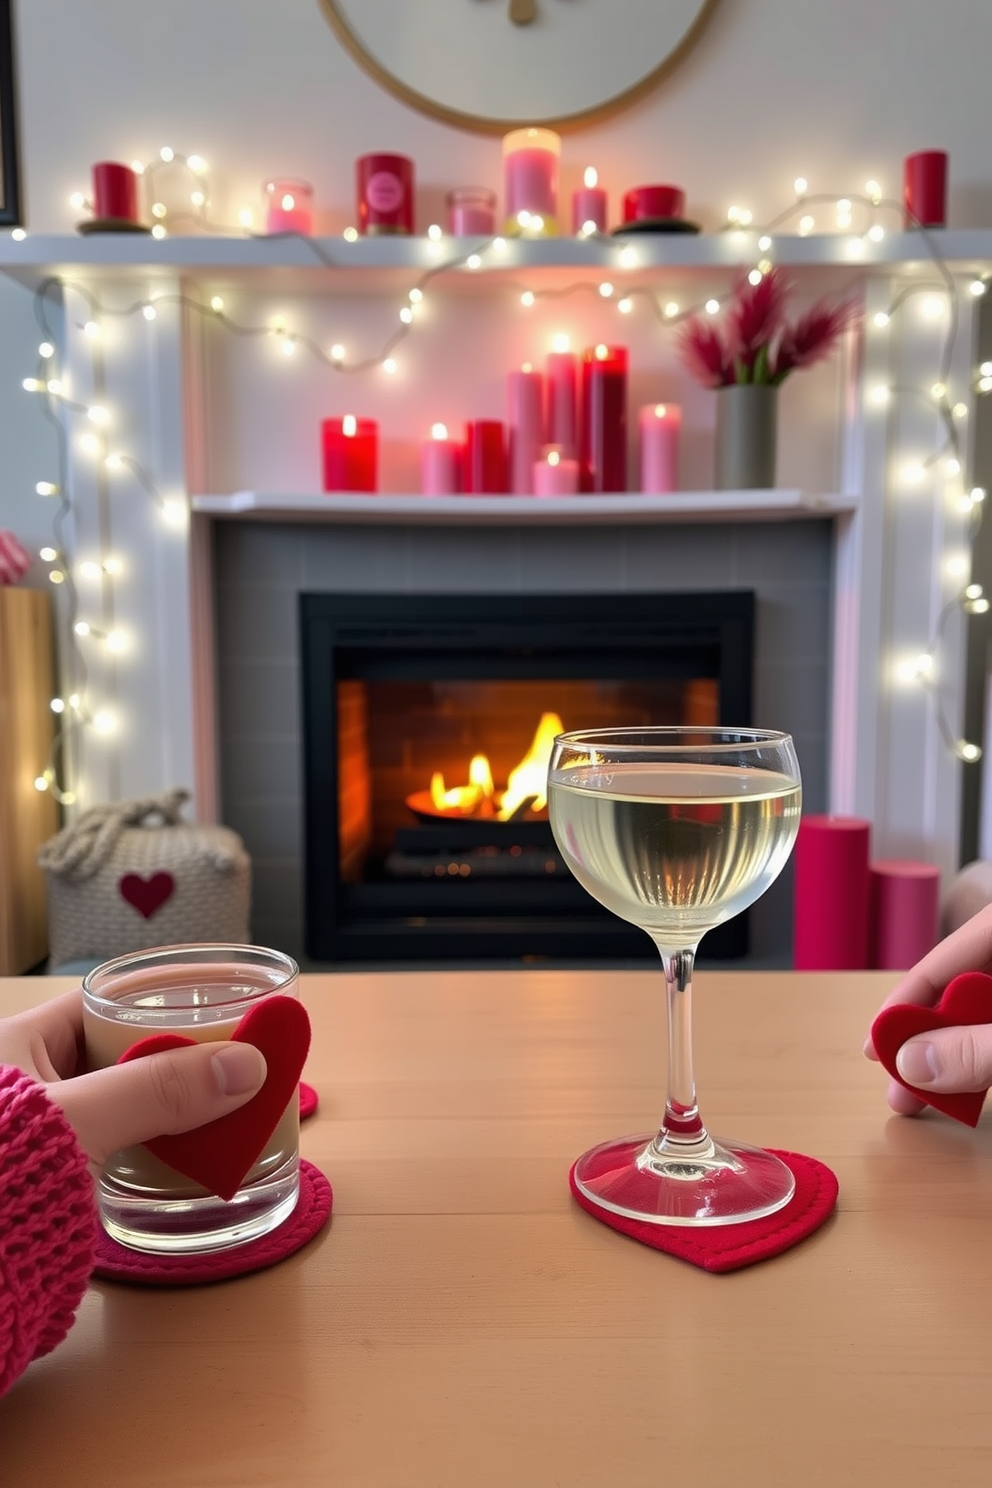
column 528, row 781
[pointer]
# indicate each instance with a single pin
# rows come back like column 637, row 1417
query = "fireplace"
column 426, row 721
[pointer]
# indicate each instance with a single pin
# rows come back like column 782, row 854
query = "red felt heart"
column 146, row 895
column 220, row 1154
column 965, row 1001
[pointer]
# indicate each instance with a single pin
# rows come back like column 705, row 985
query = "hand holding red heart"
column 940, row 1041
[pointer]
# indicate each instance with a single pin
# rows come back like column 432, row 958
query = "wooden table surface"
column 462, row 1324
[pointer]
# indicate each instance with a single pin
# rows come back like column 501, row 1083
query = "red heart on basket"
column 146, row 895
column 220, row 1154
column 965, row 1001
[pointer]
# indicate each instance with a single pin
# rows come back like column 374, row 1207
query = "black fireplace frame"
column 692, row 634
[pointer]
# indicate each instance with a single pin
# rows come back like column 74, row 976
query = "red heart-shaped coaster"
column 965, row 1001
column 146, row 895
column 220, row 1154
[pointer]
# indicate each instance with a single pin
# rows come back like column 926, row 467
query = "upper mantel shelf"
column 207, row 257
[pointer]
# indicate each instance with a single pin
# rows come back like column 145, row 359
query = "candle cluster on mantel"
column 565, row 431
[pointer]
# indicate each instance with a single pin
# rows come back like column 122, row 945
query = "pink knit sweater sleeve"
column 47, row 1224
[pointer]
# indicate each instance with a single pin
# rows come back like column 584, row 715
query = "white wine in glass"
column 677, row 830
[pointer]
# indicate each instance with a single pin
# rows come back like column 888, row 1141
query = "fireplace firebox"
column 427, row 723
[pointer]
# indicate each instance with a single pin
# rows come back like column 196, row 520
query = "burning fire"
column 527, row 783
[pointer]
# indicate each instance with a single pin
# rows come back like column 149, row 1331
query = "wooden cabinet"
column 27, row 816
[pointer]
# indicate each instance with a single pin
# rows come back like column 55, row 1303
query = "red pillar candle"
column 589, row 204
column 904, row 913
column 660, row 425
column 115, row 192
column 384, row 185
column 440, row 463
column 831, row 894
column 555, row 474
column 560, row 409
column 603, row 422
column 653, row 203
column 924, row 189
column 351, row 451
column 525, row 420
column 485, row 457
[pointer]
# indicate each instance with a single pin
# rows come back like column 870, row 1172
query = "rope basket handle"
column 81, row 849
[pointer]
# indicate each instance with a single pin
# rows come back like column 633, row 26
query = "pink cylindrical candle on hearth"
column 904, row 913
column 555, row 474
column 924, row 189
column 351, row 450
column 288, row 206
column 561, row 397
column 525, row 421
column 589, row 205
column 530, row 182
column 484, row 466
column 603, row 419
column 831, row 894
column 115, row 192
column 440, row 463
column 659, row 427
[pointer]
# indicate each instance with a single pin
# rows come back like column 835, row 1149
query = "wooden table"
column 462, row 1324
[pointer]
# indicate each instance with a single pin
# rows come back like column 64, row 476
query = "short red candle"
column 525, row 421
column 660, row 425
column 384, row 185
column 924, row 189
column 831, row 894
column 642, row 202
column 555, row 474
column 589, row 204
column 351, row 450
column 115, row 192
column 904, row 913
column 440, row 463
column 603, row 422
column 561, row 400
column 485, row 457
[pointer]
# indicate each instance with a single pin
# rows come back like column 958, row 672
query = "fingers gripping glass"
column 677, row 830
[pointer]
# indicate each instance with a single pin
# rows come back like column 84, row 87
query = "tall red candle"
column 603, row 422
column 115, row 192
column 831, row 894
column 561, row 402
column 485, row 457
column 904, row 913
column 924, row 189
column 351, row 450
column 525, row 419
column 384, row 185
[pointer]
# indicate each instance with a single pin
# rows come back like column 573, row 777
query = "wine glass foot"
column 730, row 1184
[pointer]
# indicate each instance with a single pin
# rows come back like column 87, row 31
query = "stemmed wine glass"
column 677, row 830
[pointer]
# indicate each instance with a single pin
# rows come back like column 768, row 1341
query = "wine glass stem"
column 683, row 1129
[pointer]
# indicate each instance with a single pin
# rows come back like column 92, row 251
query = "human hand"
column 945, row 1059
column 175, row 1091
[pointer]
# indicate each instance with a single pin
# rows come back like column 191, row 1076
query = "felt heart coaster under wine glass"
column 965, row 1001
column 118, row 1263
column 730, row 1247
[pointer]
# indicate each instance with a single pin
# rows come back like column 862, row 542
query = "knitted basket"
column 133, row 874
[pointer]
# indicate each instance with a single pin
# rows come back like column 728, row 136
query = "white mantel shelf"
column 629, row 509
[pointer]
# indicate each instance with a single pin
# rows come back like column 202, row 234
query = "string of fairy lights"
column 76, row 709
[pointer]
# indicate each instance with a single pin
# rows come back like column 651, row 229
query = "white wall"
column 838, row 92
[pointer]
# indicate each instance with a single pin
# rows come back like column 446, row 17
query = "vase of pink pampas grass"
column 746, row 358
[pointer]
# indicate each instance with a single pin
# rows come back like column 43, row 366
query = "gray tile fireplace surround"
column 260, row 569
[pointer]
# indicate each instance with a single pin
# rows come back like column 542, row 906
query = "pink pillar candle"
column 589, row 204
column 904, row 912
column 530, row 181
column 288, row 206
column 560, row 412
column 485, row 457
column 525, row 420
column 603, row 423
column 440, row 463
column 831, row 894
column 351, row 450
column 555, row 474
column 924, row 188
column 660, row 424
column 115, row 192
